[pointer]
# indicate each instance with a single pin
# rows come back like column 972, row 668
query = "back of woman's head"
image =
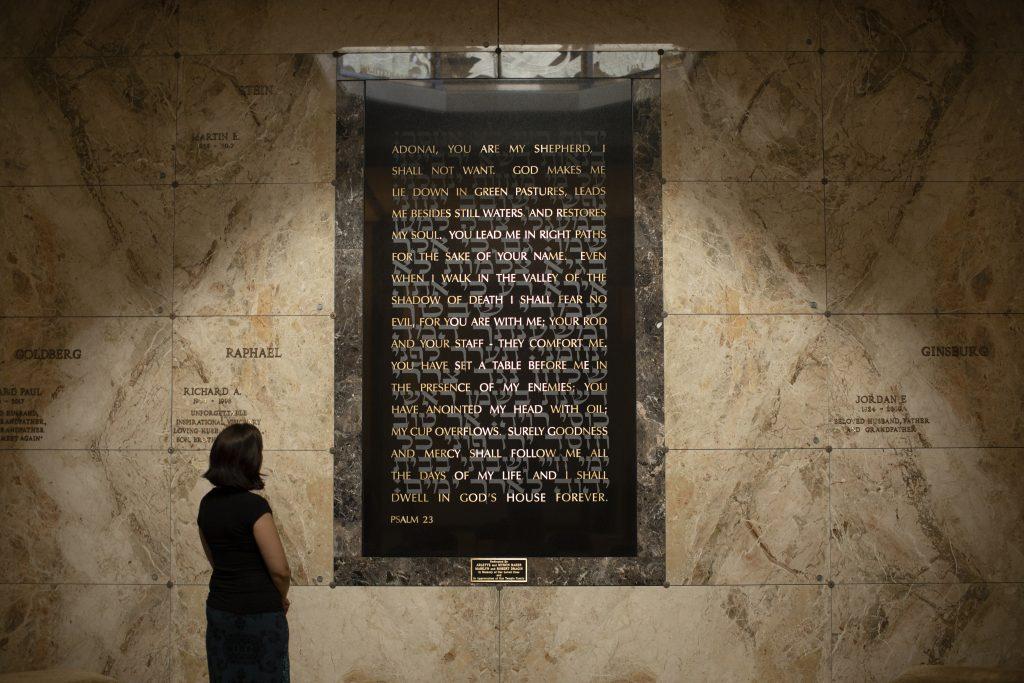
column 236, row 458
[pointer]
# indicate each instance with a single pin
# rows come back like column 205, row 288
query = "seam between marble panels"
column 517, row 47
column 163, row 584
column 16, row 186
column 929, row 313
column 667, row 449
column 514, row 47
column 211, row 183
column 693, row 181
column 925, row 52
column 37, row 449
column 923, row 448
column 171, row 660
column 839, row 448
column 839, row 313
column 324, row 451
column 829, row 584
column 154, row 584
column 168, row 316
column 813, row 181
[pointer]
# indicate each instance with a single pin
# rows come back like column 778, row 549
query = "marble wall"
column 842, row 188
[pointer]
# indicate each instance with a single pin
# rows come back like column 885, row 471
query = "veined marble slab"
column 931, row 515
column 747, row 517
column 119, row 631
column 256, row 118
column 709, row 25
column 896, row 381
column 84, row 516
column 85, row 383
column 271, row 371
column 362, row 633
column 741, row 116
column 920, row 247
column 113, row 27
column 745, row 381
column 880, row 631
column 647, row 634
column 253, row 249
column 87, row 121
column 923, row 116
column 85, row 250
column 236, row 26
column 744, row 247
column 299, row 490
column 921, row 26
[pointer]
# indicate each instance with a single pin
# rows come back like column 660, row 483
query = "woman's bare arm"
column 272, row 551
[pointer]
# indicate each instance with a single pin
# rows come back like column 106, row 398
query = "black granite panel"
column 648, row 567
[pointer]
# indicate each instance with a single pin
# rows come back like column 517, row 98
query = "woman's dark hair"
column 236, row 457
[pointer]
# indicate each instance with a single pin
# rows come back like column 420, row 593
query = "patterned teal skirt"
column 249, row 648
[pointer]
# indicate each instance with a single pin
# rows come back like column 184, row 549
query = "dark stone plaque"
column 499, row 365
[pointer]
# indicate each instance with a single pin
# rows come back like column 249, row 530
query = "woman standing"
column 246, row 629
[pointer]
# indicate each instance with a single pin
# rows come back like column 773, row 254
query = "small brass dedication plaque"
column 497, row 570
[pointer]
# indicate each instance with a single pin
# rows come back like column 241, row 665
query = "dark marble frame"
column 643, row 68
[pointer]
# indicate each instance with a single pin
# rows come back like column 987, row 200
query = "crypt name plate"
column 499, row 368
column 497, row 570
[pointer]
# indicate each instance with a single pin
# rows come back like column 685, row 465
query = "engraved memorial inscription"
column 499, row 369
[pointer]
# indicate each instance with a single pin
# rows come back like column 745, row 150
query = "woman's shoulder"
column 232, row 496
column 220, row 500
column 254, row 501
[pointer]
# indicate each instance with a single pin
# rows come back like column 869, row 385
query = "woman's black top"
column 241, row 582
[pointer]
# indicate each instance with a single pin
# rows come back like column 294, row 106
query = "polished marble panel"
column 298, row 488
column 348, row 344
column 932, row 515
column 746, row 517
column 256, row 118
column 741, row 116
column 921, row 25
column 84, row 516
column 709, row 25
column 87, row 121
column 366, row 634
column 912, row 247
column 271, row 371
column 85, row 250
column 444, row 633
column 923, row 116
column 653, row 634
column 188, row 634
column 52, row 28
column 744, row 247
column 84, row 383
column 253, row 249
column 648, row 566
column 880, row 631
column 282, row 26
column 349, row 157
column 119, row 631
column 744, row 381
column 895, row 383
